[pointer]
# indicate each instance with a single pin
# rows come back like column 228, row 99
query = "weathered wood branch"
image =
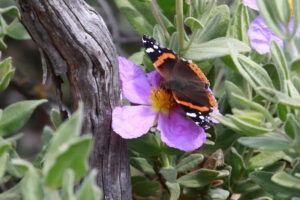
column 75, row 40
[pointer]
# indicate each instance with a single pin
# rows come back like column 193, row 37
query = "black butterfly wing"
column 187, row 86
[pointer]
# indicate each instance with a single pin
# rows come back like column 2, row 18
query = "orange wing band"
column 212, row 100
column 198, row 71
column 190, row 105
column 161, row 59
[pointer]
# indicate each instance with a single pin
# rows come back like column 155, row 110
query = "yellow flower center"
column 291, row 7
column 161, row 100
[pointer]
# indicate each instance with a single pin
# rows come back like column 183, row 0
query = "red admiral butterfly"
column 187, row 83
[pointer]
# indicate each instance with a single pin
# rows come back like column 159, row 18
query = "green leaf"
column 226, row 121
column 146, row 145
column 46, row 138
column 296, row 129
column 16, row 115
column 89, row 189
column 31, row 184
column 255, row 106
column 144, row 187
column 266, row 158
column 142, row 164
column 282, row 98
column 63, row 137
column 137, row 57
column 68, row 184
column 255, row 71
column 140, row 16
column 281, row 65
column 169, row 173
column 13, row 193
column 283, row 11
column 296, row 6
column 268, row 10
column 217, row 26
column 237, row 163
column 6, row 73
column 193, row 23
column 174, row 189
column 189, row 162
column 11, row 10
column 47, row 135
column 265, row 143
column 248, row 128
column 230, row 89
column 3, row 160
column 275, row 167
column 286, row 180
column 214, row 49
column 198, row 178
column 249, row 116
column 17, row 31
column 293, row 92
column 74, row 157
column 55, row 118
column 218, row 194
column 240, row 24
column 2, row 44
column 263, row 179
column 4, row 146
column 174, row 44
column 205, row 10
column 159, row 35
column 295, row 65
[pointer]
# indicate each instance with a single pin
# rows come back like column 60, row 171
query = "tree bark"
column 76, row 42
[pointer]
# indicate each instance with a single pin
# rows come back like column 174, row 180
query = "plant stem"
column 218, row 80
column 158, row 19
column 164, row 160
column 246, row 161
column 194, row 34
column 248, row 90
column 292, row 49
column 179, row 24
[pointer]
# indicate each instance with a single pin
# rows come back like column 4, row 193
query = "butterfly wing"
column 188, row 84
column 190, row 89
column 163, row 59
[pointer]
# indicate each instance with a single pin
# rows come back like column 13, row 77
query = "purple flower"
column 259, row 33
column 251, row 4
column 152, row 102
column 261, row 36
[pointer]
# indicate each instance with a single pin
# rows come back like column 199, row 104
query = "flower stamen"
column 291, row 7
column 161, row 100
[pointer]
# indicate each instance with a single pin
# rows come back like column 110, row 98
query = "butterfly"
column 184, row 79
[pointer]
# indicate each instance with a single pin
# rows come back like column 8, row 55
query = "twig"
column 158, row 19
column 179, row 23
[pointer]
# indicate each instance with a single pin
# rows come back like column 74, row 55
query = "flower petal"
column 216, row 111
column 251, row 4
column 261, row 36
column 135, row 86
column 154, row 78
column 179, row 132
column 132, row 121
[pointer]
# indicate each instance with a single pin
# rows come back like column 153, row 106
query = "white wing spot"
column 191, row 114
column 159, row 51
column 155, row 46
column 149, row 50
column 201, row 117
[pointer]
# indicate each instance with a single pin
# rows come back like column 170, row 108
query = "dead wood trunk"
column 75, row 41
